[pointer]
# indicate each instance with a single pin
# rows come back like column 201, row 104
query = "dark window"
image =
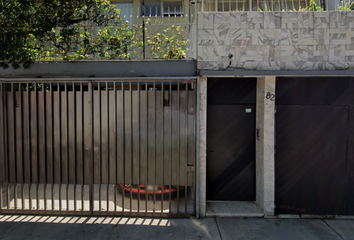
column 172, row 7
column 152, row 8
column 165, row 7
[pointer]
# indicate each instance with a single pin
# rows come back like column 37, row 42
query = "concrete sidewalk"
column 44, row 227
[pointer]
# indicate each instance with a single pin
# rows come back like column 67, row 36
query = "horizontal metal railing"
column 274, row 5
column 137, row 34
column 140, row 40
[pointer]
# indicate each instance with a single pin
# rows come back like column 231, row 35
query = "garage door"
column 314, row 146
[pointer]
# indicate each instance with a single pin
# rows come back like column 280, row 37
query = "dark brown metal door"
column 230, row 139
column 349, row 208
column 314, row 146
column 310, row 168
column 230, row 166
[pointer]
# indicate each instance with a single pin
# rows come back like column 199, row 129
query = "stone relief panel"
column 276, row 40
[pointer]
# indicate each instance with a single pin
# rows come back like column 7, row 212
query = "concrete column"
column 202, row 145
column 265, row 123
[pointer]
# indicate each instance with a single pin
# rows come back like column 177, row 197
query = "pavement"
column 55, row 227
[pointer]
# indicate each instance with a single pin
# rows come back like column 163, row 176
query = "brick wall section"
column 276, row 40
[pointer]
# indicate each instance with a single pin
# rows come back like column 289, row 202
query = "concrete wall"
column 202, row 144
column 276, row 40
column 265, row 123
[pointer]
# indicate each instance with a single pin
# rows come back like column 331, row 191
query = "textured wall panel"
column 276, row 40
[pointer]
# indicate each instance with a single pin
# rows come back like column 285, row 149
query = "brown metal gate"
column 314, row 136
column 98, row 148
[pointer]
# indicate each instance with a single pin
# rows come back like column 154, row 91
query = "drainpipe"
column 197, row 162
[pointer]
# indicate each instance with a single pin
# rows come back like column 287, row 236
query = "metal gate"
column 98, row 148
column 231, row 141
column 311, row 159
column 314, row 146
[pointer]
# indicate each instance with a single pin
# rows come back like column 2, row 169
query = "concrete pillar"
column 202, row 145
column 265, row 123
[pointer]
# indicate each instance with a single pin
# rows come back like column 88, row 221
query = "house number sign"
column 270, row 96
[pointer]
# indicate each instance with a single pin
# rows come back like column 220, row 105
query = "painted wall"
column 276, row 40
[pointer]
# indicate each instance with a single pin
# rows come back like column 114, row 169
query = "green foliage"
column 345, row 6
column 169, row 44
column 26, row 25
column 313, row 6
column 26, row 86
column 70, row 30
column 265, row 8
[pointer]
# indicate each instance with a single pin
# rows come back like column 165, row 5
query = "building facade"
column 263, row 115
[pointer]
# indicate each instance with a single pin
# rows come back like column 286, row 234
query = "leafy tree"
column 56, row 30
column 169, row 44
column 30, row 27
